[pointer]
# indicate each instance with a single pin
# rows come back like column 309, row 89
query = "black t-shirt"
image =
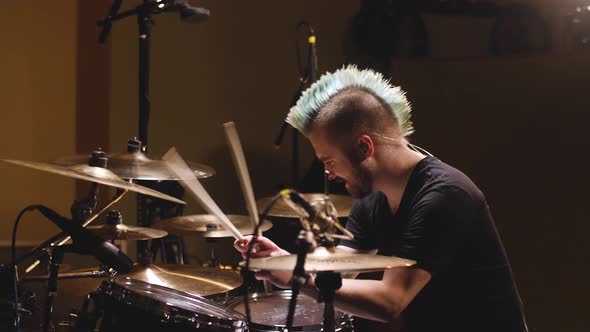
column 444, row 223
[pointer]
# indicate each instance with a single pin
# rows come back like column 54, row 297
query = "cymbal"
column 124, row 232
column 206, row 225
column 330, row 259
column 93, row 174
column 137, row 166
column 191, row 279
column 342, row 203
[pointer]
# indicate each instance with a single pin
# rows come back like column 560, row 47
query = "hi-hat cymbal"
column 124, row 232
column 342, row 203
column 190, row 279
column 137, row 166
column 330, row 259
column 93, row 174
column 206, row 225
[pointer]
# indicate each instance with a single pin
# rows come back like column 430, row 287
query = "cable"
column 420, row 150
column 249, row 253
column 13, row 263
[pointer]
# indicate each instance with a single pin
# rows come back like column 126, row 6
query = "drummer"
column 410, row 205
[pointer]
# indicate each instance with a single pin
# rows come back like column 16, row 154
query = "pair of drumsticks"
column 190, row 182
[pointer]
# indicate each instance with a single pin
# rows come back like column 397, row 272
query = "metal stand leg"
column 328, row 283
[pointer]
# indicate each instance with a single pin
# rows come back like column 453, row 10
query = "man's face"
column 338, row 164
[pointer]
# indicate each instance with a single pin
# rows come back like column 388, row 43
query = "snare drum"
column 133, row 305
column 269, row 313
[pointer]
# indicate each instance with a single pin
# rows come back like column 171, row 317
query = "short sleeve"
column 437, row 228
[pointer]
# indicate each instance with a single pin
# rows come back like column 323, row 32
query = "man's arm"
column 382, row 300
column 353, row 275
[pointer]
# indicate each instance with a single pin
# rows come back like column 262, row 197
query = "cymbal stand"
column 305, row 244
column 82, row 211
column 56, row 258
column 328, row 283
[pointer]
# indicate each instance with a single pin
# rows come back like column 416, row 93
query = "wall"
column 37, row 91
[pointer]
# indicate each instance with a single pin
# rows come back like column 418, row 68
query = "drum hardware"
column 93, row 174
column 136, row 165
column 56, row 258
column 114, row 229
column 189, row 279
column 207, row 225
column 133, row 304
column 82, row 210
column 269, row 313
column 281, row 209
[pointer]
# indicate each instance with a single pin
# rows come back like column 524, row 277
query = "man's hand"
column 265, row 248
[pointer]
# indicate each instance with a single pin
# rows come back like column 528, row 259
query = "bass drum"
column 269, row 313
column 133, row 305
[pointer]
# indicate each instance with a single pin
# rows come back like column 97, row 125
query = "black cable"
column 249, row 253
column 13, row 263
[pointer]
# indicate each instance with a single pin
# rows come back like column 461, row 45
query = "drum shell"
column 136, row 305
column 269, row 313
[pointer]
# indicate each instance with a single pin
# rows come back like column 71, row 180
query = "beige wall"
column 37, row 89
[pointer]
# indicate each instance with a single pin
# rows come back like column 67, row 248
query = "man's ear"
column 365, row 147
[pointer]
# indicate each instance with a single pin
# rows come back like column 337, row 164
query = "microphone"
column 312, row 58
column 321, row 215
column 104, row 251
column 298, row 204
column 189, row 13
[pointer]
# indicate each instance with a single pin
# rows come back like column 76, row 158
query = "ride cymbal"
column 342, row 203
column 206, row 225
column 124, row 232
column 93, row 174
column 137, row 166
column 324, row 259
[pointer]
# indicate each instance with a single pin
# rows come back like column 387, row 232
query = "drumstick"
column 190, row 182
column 231, row 133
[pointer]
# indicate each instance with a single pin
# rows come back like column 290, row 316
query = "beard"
column 360, row 184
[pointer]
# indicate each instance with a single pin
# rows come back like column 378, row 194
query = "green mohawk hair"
column 319, row 93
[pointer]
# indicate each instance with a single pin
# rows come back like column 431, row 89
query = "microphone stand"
column 305, row 244
column 306, row 79
column 328, row 282
column 144, row 13
column 56, row 258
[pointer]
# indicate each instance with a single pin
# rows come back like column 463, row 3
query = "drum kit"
column 121, row 295
column 178, row 296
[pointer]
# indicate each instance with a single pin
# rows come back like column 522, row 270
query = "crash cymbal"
column 137, row 166
column 342, row 203
column 124, row 232
column 190, row 279
column 93, row 174
column 332, row 259
column 206, row 225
